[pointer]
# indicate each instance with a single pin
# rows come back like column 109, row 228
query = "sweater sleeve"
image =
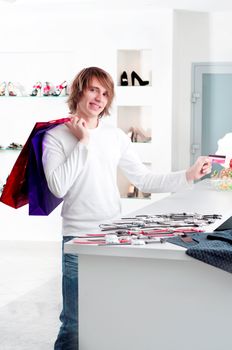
column 62, row 170
column 146, row 180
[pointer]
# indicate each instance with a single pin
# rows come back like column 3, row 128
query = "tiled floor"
column 25, row 266
column 30, row 289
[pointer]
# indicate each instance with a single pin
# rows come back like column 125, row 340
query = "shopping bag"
column 15, row 192
column 41, row 200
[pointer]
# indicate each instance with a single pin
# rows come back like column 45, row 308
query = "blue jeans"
column 67, row 338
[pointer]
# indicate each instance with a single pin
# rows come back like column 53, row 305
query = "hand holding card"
column 201, row 167
column 217, row 159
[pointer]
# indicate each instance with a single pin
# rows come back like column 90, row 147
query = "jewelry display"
column 147, row 229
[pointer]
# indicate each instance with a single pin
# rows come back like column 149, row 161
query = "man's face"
column 93, row 101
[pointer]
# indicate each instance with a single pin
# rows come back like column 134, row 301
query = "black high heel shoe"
column 141, row 82
column 124, row 79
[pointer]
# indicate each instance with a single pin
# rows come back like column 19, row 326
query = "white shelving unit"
column 20, row 113
column 19, row 117
column 139, row 61
column 134, row 110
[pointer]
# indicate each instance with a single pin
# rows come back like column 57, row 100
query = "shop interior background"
column 52, row 40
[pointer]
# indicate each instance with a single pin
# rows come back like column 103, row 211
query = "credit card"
column 217, row 159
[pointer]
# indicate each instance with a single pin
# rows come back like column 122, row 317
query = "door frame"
column 198, row 69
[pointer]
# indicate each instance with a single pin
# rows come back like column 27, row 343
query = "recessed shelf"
column 136, row 122
column 134, row 107
column 139, row 61
column 124, row 185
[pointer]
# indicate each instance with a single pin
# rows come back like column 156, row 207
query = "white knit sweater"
column 86, row 176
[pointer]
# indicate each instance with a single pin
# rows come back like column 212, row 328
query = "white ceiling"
column 194, row 5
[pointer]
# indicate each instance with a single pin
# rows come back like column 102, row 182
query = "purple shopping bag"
column 41, row 200
column 16, row 190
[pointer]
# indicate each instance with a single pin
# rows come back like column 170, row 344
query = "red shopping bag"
column 15, row 192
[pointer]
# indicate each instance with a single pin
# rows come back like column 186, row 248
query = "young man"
column 80, row 160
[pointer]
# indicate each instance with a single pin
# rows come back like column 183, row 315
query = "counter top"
column 202, row 198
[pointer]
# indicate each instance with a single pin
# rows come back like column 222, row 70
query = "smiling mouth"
column 95, row 105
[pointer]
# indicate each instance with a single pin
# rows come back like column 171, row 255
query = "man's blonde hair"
column 83, row 80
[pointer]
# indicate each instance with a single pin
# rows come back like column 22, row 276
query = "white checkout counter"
column 156, row 297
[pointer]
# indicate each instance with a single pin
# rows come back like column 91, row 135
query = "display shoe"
column 134, row 136
column 136, row 191
column 20, row 88
column 130, row 134
column 47, row 89
column 15, row 146
column 132, row 191
column 141, row 82
column 3, row 88
column 140, row 135
column 124, row 79
column 11, row 89
column 36, row 89
column 146, row 195
column 60, row 88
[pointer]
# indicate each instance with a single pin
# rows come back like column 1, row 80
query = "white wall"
column 78, row 38
column 191, row 44
column 198, row 37
column 220, row 36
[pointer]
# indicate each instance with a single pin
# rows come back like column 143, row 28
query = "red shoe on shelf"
column 60, row 88
column 3, row 88
column 36, row 89
column 47, row 89
column 11, row 89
